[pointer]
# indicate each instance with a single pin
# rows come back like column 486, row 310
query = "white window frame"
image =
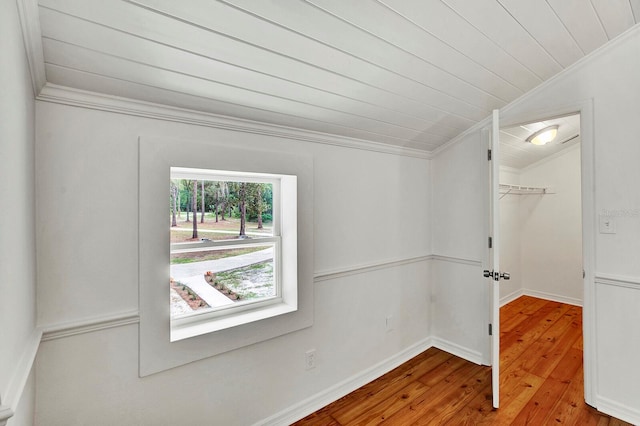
column 285, row 271
column 197, row 341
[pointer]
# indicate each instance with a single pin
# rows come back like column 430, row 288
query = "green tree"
column 194, row 206
column 238, row 197
column 186, row 189
column 257, row 205
column 242, row 206
column 220, row 197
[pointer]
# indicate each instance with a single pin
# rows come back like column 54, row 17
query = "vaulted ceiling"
column 409, row 73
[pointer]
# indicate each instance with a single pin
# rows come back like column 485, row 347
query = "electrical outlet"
column 389, row 322
column 310, row 359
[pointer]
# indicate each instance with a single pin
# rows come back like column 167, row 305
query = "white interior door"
column 494, row 257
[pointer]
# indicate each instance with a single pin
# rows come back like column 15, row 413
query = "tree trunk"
column 194, row 206
column 179, row 201
column 174, row 196
column 242, row 205
column 202, row 202
column 243, row 215
column 216, row 213
column 259, row 203
column 188, row 209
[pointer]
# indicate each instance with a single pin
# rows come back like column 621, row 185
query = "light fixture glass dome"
column 544, row 136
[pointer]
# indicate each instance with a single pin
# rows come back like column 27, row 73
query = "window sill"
column 207, row 325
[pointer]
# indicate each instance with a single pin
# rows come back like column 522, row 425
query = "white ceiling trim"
column 91, row 100
column 566, row 73
column 32, row 36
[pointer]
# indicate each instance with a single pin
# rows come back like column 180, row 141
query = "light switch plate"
column 607, row 225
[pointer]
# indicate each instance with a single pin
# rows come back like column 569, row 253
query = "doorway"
column 541, row 247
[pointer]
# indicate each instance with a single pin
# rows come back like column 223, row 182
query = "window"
column 228, row 269
column 169, row 338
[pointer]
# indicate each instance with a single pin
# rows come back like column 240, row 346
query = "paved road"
column 192, row 274
column 220, row 265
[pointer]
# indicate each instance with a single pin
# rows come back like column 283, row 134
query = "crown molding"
column 32, row 36
column 98, row 101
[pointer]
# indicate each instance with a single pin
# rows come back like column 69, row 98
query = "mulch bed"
column 194, row 301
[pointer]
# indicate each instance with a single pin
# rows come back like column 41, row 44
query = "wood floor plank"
column 543, row 401
column 512, row 317
column 541, row 380
column 571, row 404
column 387, row 386
column 547, row 314
column 435, row 376
column 517, row 305
column 529, row 332
column 389, row 406
column 457, row 400
column 432, row 402
column 388, row 383
column 579, row 344
column 515, row 392
column 550, row 348
column 568, row 365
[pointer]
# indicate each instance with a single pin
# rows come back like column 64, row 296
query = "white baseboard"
column 327, row 396
column 552, row 297
column 617, row 410
column 540, row 295
column 511, row 297
column 457, row 350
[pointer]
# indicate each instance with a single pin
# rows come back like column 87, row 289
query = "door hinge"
column 490, row 329
column 489, row 155
column 490, row 242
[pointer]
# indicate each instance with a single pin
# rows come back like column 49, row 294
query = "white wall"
column 369, row 208
column 541, row 234
column 17, row 240
column 459, row 305
column 551, row 228
column 510, row 238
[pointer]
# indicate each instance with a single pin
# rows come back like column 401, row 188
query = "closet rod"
column 506, row 189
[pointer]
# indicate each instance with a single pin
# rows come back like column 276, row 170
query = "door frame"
column 589, row 221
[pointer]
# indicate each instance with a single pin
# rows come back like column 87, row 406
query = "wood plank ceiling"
column 409, row 73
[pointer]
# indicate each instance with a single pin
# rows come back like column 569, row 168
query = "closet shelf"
column 508, row 189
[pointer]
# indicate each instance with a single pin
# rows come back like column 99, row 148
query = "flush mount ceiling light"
column 544, row 136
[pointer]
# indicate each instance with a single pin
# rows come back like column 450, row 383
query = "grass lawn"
column 228, row 229
column 250, row 282
column 202, row 256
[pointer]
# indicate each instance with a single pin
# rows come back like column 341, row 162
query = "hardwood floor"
column 541, row 381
